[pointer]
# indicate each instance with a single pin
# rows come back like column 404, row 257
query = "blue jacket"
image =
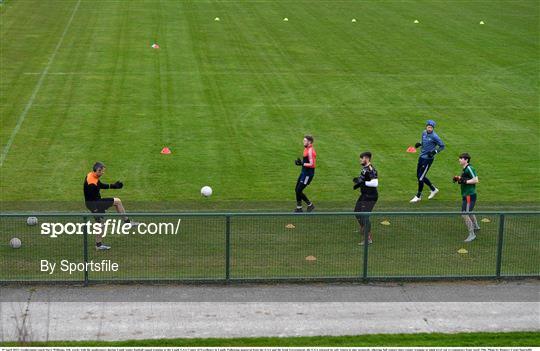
column 430, row 142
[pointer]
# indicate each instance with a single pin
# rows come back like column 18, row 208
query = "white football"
column 206, row 191
column 15, row 243
column 31, row 220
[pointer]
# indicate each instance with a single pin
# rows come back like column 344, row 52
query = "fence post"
column 85, row 251
column 227, row 248
column 500, row 246
column 366, row 248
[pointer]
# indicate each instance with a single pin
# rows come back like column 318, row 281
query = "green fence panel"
column 302, row 246
column 429, row 246
column 269, row 246
column 197, row 251
column 24, row 263
column 521, row 246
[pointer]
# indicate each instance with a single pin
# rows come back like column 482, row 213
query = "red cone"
column 165, row 151
column 411, row 149
column 155, row 46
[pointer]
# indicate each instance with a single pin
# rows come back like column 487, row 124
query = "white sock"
column 475, row 222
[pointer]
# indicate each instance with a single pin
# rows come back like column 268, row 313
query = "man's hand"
column 432, row 153
column 298, row 162
column 460, row 180
column 358, row 181
column 417, row 145
column 117, row 185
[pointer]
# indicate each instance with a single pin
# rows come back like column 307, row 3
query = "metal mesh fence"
column 520, row 254
column 220, row 247
column 197, row 251
column 431, row 245
column 295, row 247
column 25, row 262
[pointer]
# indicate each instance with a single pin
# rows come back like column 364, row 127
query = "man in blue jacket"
column 431, row 145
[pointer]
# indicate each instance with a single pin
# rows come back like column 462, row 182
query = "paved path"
column 133, row 312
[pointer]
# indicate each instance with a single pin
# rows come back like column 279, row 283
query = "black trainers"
column 298, row 210
column 310, row 208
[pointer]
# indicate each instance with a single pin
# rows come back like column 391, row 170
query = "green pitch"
column 232, row 99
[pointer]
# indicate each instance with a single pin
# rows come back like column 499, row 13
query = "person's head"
column 308, row 140
column 98, row 168
column 464, row 159
column 365, row 158
column 430, row 125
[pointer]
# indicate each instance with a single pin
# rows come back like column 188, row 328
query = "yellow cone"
column 462, row 251
column 311, row 258
column 416, row 21
column 290, row 226
column 385, row 222
column 485, row 220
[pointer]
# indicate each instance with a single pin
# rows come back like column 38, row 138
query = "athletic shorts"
column 100, row 206
column 306, row 178
column 468, row 202
column 364, row 204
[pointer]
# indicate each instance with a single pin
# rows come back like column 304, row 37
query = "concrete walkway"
column 140, row 312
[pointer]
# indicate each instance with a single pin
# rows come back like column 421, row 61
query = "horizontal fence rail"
column 230, row 247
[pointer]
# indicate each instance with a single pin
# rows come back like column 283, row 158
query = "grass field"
column 232, row 99
column 523, row 339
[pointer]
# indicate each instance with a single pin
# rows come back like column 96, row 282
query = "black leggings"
column 303, row 181
column 300, row 193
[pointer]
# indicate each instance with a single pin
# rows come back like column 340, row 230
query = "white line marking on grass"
column 36, row 89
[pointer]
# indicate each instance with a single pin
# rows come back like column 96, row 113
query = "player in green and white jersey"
column 468, row 180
